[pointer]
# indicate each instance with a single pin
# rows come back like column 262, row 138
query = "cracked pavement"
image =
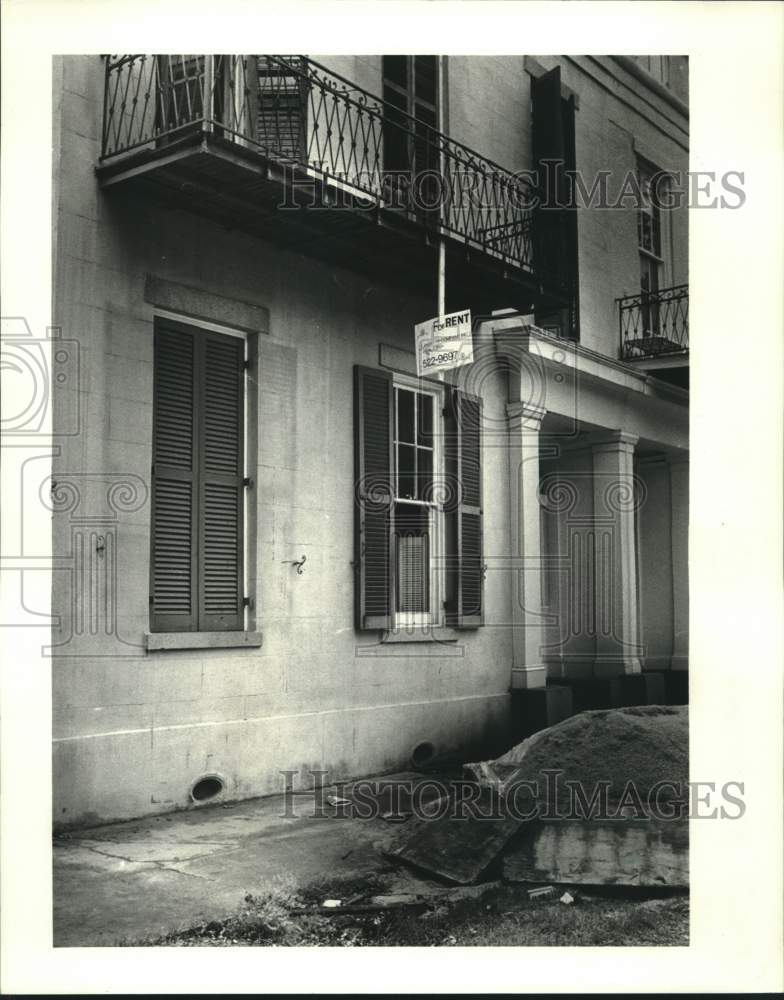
column 131, row 882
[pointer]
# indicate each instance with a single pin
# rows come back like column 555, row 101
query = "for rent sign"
column 444, row 342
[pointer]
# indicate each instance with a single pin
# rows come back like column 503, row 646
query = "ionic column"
column 679, row 501
column 528, row 633
column 615, row 499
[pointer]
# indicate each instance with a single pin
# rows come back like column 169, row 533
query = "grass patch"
column 502, row 917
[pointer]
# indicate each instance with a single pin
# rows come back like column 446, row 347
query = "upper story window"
column 657, row 66
column 653, row 241
column 649, row 214
column 411, row 84
column 411, row 91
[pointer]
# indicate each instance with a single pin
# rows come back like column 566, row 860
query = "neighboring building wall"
column 617, row 122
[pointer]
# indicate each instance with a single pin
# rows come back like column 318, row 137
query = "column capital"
column 614, row 441
column 528, row 415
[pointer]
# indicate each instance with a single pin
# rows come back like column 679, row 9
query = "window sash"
column 434, row 585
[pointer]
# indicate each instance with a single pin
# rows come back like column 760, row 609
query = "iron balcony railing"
column 654, row 324
column 295, row 111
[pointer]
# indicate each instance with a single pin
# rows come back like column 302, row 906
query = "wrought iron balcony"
column 654, row 326
column 265, row 141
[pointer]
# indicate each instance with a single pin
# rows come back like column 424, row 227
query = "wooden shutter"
column 548, row 145
column 373, row 498
column 221, row 486
column 174, row 485
column 463, row 510
column 571, row 262
column 196, row 569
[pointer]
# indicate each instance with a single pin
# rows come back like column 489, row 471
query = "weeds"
column 503, row 916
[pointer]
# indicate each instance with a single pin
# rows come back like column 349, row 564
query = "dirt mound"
column 644, row 745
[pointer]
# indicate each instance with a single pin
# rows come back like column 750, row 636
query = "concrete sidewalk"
column 126, row 883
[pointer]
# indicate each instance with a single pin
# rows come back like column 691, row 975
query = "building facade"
column 279, row 548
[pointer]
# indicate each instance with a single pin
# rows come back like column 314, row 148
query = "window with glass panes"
column 649, row 241
column 416, row 514
column 410, row 150
column 418, row 555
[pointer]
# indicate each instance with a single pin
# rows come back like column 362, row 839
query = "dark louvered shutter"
column 463, row 510
column 571, row 261
column 221, row 484
column 174, row 495
column 548, row 146
column 196, row 569
column 373, row 492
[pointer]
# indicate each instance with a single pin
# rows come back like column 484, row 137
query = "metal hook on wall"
column 299, row 563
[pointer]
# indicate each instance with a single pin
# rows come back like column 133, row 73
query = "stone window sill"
column 423, row 633
column 202, row 640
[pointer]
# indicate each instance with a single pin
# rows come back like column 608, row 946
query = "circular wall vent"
column 207, row 787
column 422, row 754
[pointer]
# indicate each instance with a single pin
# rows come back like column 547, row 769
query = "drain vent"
column 422, row 754
column 207, row 788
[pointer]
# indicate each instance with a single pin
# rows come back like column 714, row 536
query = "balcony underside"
column 671, row 368
column 242, row 189
column 650, row 361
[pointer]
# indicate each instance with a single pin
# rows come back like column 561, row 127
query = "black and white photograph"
column 355, row 445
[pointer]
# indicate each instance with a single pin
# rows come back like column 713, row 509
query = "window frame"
column 164, row 637
column 408, row 102
column 463, row 605
column 436, row 555
column 660, row 263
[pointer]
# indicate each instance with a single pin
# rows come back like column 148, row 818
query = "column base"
column 638, row 689
column 538, row 708
column 584, row 666
column 656, row 663
column 527, row 678
column 593, row 693
column 677, row 685
column 612, row 666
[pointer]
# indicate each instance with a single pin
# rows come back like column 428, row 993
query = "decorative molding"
column 525, row 678
column 200, row 304
column 530, row 414
column 615, row 440
column 396, row 359
column 519, row 341
column 653, row 84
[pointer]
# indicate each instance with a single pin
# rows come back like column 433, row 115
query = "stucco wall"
column 488, row 107
column 132, row 730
